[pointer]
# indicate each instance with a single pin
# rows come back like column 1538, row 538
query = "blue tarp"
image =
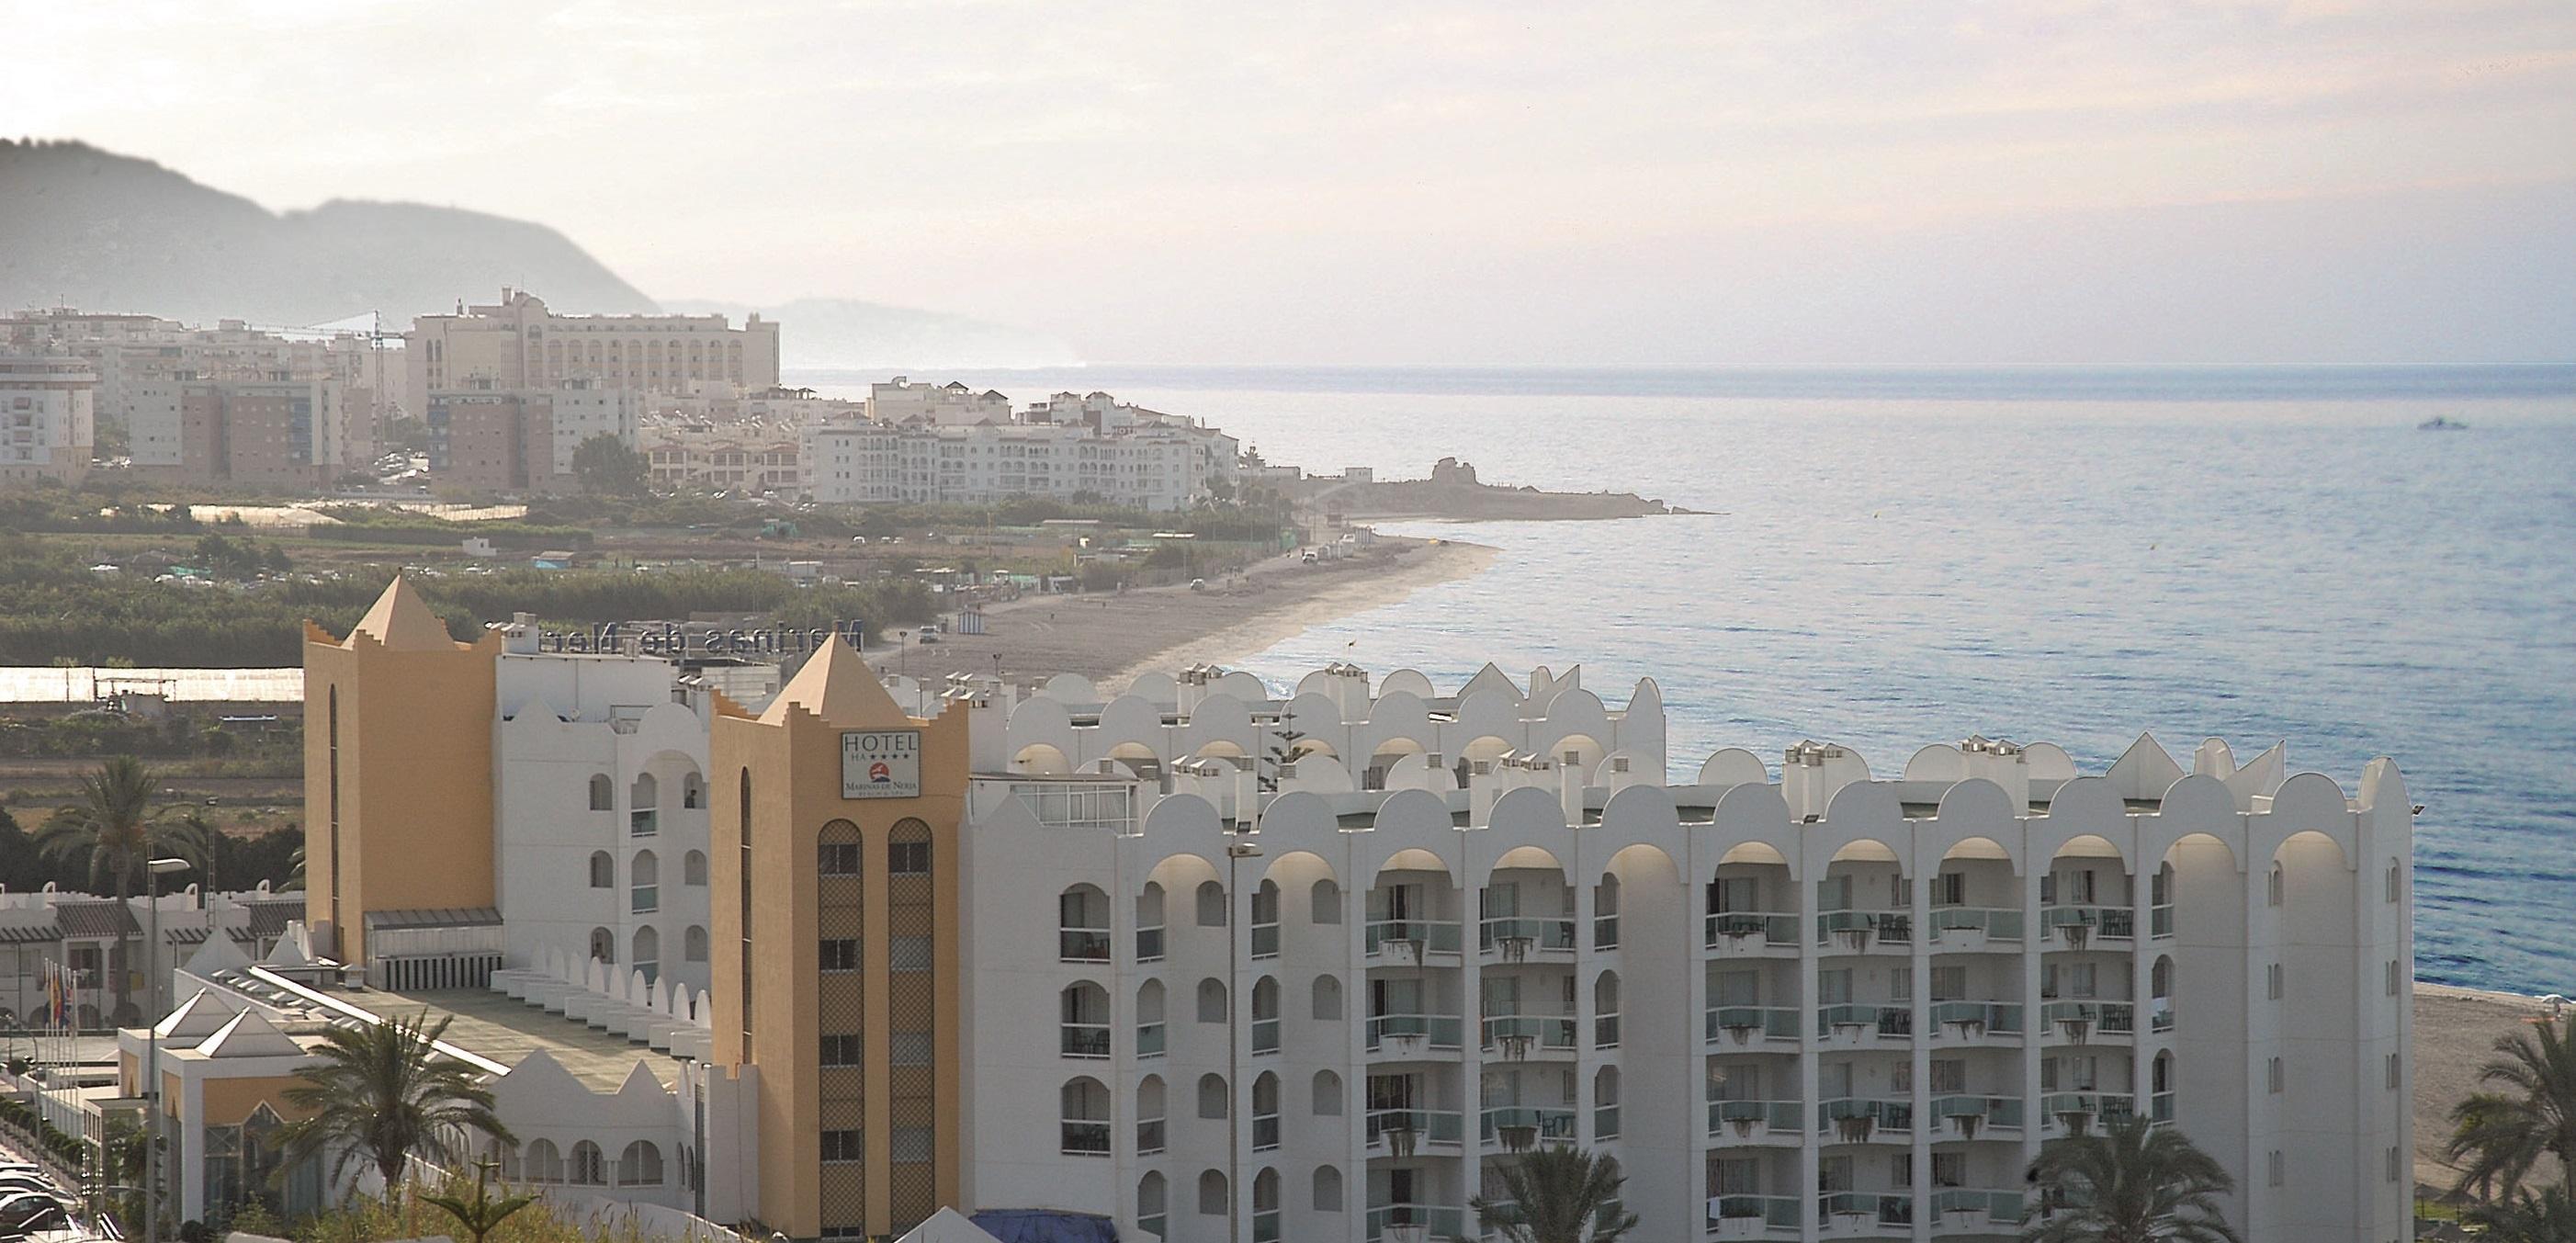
column 1037, row 1225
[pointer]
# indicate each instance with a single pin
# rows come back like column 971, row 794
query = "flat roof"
column 505, row 1029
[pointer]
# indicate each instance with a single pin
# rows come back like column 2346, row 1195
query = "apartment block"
column 517, row 343
column 47, row 417
column 485, row 438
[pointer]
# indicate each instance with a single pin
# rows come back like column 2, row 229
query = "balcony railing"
column 2060, row 1107
column 2160, row 920
column 1427, row 1126
column 1997, row 923
column 1998, row 1206
column 2077, row 924
column 644, row 822
column 1439, row 1031
column 1149, row 1137
column 1741, row 1117
column 2110, row 1018
column 1085, row 1139
column 1265, row 1226
column 1265, row 1132
column 1543, row 1123
column 1993, row 1017
column 1086, row 1039
column 644, row 899
column 1149, row 944
column 1149, row 1039
column 1543, row 1031
column 1859, row 1117
column 1742, row 929
column 1394, row 1222
column 2161, row 1107
column 1990, row 1111
column 1867, row 1018
column 1605, row 1122
column 1265, row 1035
column 1426, row 936
column 1265, row 940
column 1889, row 927
column 1514, row 933
column 1082, row 945
column 1741, row 1024
column 1887, row 1208
column 1605, row 1031
column 2160, row 1020
column 1774, row 1212
column 1605, row 932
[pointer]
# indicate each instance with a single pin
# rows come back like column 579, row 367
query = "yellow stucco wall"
column 795, row 769
column 226, row 1102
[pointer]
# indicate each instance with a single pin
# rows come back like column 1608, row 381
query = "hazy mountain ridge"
column 108, row 232
column 848, row 333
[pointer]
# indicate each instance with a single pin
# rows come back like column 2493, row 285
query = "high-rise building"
column 279, row 432
column 47, row 421
column 485, row 438
column 517, row 343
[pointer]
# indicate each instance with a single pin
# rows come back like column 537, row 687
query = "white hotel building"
column 1150, row 461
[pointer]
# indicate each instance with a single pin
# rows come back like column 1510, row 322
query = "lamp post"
column 152, row 1014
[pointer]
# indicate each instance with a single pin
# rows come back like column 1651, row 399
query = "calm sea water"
column 1892, row 559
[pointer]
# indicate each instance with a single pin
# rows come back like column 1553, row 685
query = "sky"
column 2024, row 182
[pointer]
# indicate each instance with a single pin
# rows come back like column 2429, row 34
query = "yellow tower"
column 835, row 946
column 397, row 770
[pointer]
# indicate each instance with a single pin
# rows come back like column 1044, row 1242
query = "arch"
column 1149, row 1002
column 1754, row 852
column 1478, row 755
column 1211, row 996
column 648, row 950
column 1328, row 1189
column 2160, row 978
column 1415, row 860
column 1866, row 850
column 1082, row 923
column 1211, row 904
column 586, row 1165
column 1213, row 1102
column 1082, row 1010
column 1528, row 857
column 603, row 946
column 1733, row 766
column 693, row 790
column 1212, row 1193
column 1152, row 1201
column 1328, row 1094
column 693, row 869
column 640, row 1165
column 644, row 794
column 1327, row 999
column 693, row 944
column 1976, row 848
column 1041, row 759
column 1265, row 1191
column 1326, row 902
column 1582, row 752
column 543, row 1162
column 2089, row 846
column 1265, row 998
column 603, row 793
column 1221, row 749
column 1083, row 1117
column 1307, row 746
column 603, row 870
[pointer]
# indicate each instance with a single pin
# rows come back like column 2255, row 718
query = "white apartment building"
column 47, row 417
column 946, row 405
column 518, row 343
column 1162, row 465
column 1815, row 1003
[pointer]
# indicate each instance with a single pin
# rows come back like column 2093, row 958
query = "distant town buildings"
column 47, row 421
column 517, row 343
column 947, row 405
column 1067, row 447
column 760, row 454
column 484, row 438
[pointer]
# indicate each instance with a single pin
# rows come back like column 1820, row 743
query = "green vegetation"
column 605, row 465
column 1558, row 1194
column 382, row 1096
column 222, row 860
column 2500, row 1136
column 367, row 1219
column 2131, row 1183
column 22, row 1123
column 481, row 1215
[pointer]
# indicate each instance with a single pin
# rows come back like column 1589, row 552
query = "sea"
column 1885, row 559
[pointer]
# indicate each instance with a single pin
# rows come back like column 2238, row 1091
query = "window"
column 2274, row 886
column 841, row 1146
column 837, row 859
column 1211, row 1000
column 839, row 954
column 912, row 953
column 1327, row 902
column 544, row 1162
column 2276, row 1076
column 2396, row 1164
column 603, row 946
column 1149, row 1116
column 908, row 858
column 1084, row 1019
column 2278, row 1170
column 693, row 869
column 2272, row 981
column 910, row 1048
column 1212, row 1097
column 1211, row 904
column 1211, row 1194
column 1150, row 1204
column 693, row 944
column 912, row 1144
column 2395, row 1074
column 603, row 870
column 2396, row 980
column 640, row 1165
column 588, row 1166
column 1949, row 983
column 2396, row 881
column 1082, row 925
column 603, row 793
column 1084, row 1126
column 1328, row 1189
column 645, row 884
column 841, row 1049
column 1949, row 889
column 1328, row 1094
column 648, row 951
column 1328, row 999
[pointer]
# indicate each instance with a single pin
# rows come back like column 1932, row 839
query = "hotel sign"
column 881, row 763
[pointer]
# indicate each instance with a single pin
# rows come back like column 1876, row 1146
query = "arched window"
column 1211, row 1193
column 603, row 793
column 1327, row 902
column 1605, row 1103
column 1328, row 1094
column 1211, row 904
column 1605, row 913
column 1328, row 999
column 1082, row 924
column 1212, row 1102
column 1265, row 1014
column 1265, row 920
column 1084, row 1016
column 693, row 944
column 603, row 870
column 693, row 868
column 2160, row 978
column 693, row 790
column 1085, row 1118
column 603, row 946
column 1212, row 1000
column 544, row 1162
column 1151, row 1206
column 587, row 1167
column 644, row 884
column 643, row 802
column 1605, row 1010
column 1265, row 1205
column 2276, row 887
column 1328, row 1189
column 1265, row 1112
column 1149, row 1019
column 640, row 1165
column 1149, row 1116
column 648, row 952
column 1149, row 923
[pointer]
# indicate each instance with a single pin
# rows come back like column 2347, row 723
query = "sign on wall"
column 881, row 763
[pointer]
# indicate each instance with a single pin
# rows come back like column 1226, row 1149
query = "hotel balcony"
column 1758, row 1122
column 1395, row 1037
column 1402, row 1133
column 1753, row 1217
column 1865, row 1214
column 1519, row 1128
column 2083, row 1022
column 1519, row 1037
column 1967, row 1117
column 1864, row 1024
column 1415, row 1223
column 1752, row 934
column 2074, row 927
column 1966, row 929
column 2067, row 1112
column 1863, row 932
column 1404, row 941
column 1970, row 1208
column 1738, row 1025
column 1859, row 1120
column 1515, row 938
column 1976, row 1022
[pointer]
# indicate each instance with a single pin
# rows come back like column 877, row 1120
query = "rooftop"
column 505, row 1030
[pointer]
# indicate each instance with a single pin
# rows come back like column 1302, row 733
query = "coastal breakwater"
column 1453, row 492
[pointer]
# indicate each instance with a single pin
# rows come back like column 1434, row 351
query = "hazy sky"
column 2026, row 182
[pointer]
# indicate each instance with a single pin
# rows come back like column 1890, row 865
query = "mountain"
column 106, row 232
column 823, row 333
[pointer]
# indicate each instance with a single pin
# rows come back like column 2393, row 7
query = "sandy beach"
column 2455, row 1033
column 1113, row 638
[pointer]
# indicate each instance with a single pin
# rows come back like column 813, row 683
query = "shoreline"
column 2455, row 1032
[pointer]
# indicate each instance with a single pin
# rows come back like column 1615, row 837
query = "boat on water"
column 2441, row 423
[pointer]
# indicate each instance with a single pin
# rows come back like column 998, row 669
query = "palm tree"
column 382, row 1095
column 481, row 1215
column 1558, row 1194
column 2132, row 1183
column 108, row 829
column 185, row 831
column 2500, row 1136
column 2546, row 1217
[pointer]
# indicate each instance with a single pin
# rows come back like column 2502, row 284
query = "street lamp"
column 152, row 1013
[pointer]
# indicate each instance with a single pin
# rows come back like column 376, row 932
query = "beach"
column 2455, row 1033
column 1111, row 638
